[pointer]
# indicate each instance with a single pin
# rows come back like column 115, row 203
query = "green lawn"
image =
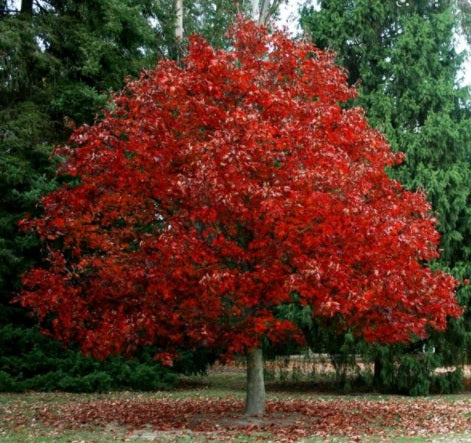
column 210, row 409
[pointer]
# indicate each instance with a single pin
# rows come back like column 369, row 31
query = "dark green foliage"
column 397, row 369
column 97, row 381
column 401, row 57
column 410, row 374
column 57, row 66
column 25, row 133
column 31, row 361
column 403, row 60
column 411, row 370
column 8, row 383
column 92, row 46
column 143, row 379
column 194, row 362
column 212, row 19
column 448, row 382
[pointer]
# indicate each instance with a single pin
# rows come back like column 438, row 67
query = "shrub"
column 9, row 383
column 151, row 378
column 31, row 361
column 449, row 382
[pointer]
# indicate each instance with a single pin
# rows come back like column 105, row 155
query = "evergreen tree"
column 59, row 62
column 212, row 19
column 401, row 57
column 463, row 11
column 24, row 148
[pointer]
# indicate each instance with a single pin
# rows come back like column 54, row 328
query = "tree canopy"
column 213, row 192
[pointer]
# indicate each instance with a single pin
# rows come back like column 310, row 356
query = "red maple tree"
column 210, row 193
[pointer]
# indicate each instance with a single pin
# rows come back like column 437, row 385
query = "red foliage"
column 209, row 194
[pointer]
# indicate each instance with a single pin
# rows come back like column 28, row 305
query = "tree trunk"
column 378, row 367
column 27, row 7
column 263, row 10
column 255, row 11
column 255, row 402
column 179, row 20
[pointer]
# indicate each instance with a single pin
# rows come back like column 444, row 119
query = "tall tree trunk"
column 255, row 402
column 263, row 10
column 179, row 20
column 27, row 7
column 255, row 11
column 265, row 13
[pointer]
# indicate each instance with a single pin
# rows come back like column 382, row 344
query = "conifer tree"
column 59, row 62
column 401, row 56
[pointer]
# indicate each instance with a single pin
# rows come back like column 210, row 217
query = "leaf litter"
column 287, row 420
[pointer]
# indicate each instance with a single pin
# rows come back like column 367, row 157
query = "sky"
column 289, row 18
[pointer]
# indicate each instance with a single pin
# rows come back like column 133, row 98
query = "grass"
column 19, row 422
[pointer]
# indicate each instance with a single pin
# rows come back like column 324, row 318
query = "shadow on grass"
column 235, row 382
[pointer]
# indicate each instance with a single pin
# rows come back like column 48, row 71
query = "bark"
column 255, row 402
column 263, row 10
column 255, row 11
column 27, row 7
column 378, row 367
column 179, row 20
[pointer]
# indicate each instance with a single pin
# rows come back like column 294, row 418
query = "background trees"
column 403, row 60
column 59, row 62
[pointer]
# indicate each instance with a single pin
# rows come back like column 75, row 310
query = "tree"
column 403, row 60
column 211, row 194
column 263, row 10
column 179, row 20
column 463, row 11
column 59, row 62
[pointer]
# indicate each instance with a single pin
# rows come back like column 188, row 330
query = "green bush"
column 414, row 373
column 98, row 381
column 9, row 383
column 413, row 376
column 150, row 378
column 449, row 382
column 46, row 382
column 31, row 361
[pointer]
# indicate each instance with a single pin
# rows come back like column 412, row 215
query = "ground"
column 210, row 409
